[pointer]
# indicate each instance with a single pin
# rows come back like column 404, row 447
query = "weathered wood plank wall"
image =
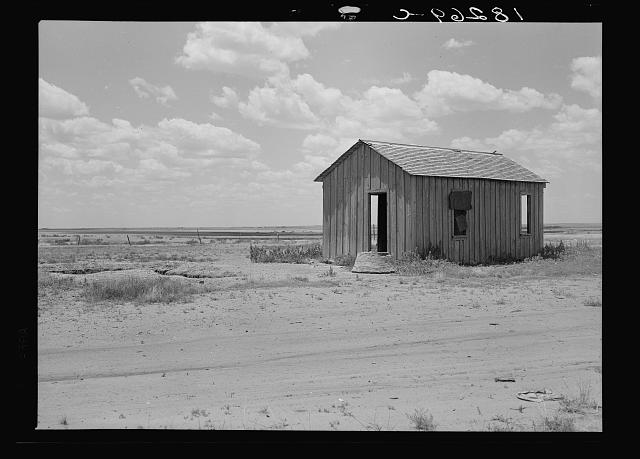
column 418, row 214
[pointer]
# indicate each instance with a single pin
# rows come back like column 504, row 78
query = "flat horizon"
column 253, row 227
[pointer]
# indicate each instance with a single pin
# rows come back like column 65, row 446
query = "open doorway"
column 378, row 222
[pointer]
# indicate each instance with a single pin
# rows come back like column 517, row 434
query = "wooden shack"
column 467, row 206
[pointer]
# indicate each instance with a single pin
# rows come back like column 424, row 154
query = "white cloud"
column 205, row 139
column 152, row 168
column 572, row 141
column 146, row 90
column 382, row 113
column 452, row 43
column 59, row 149
column 587, row 75
column 172, row 150
column 404, row 79
column 228, row 99
column 325, row 101
column 54, row 102
column 319, row 143
column 213, row 116
column 247, row 47
column 449, row 92
column 305, row 103
column 90, row 167
column 278, row 105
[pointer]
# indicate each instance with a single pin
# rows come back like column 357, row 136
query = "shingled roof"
column 446, row 162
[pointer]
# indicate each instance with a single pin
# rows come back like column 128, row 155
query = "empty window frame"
column 459, row 222
column 525, row 213
column 460, row 202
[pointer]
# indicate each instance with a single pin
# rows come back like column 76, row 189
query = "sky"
column 148, row 124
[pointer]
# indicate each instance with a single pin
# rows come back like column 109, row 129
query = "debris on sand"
column 544, row 395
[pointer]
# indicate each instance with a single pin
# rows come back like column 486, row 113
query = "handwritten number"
column 473, row 10
column 441, row 15
column 407, row 14
column 457, row 17
column 477, row 14
column 498, row 12
column 518, row 14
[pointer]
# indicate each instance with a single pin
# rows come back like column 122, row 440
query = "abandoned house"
column 467, row 206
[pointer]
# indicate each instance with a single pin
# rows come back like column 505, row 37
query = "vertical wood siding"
column 418, row 214
column 326, row 219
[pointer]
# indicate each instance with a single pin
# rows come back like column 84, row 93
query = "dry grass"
column 580, row 259
column 582, row 403
column 285, row 253
column 125, row 253
column 143, row 290
column 329, row 273
column 48, row 283
column 593, row 302
column 422, row 420
column 557, row 423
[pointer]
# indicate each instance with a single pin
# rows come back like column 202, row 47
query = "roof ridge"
column 436, row 148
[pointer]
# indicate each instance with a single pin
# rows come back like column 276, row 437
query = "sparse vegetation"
column 552, row 251
column 576, row 259
column 557, row 423
column 422, row 420
column 285, row 253
column 48, row 283
column 580, row 404
column 593, row 302
column 329, row 273
column 144, row 290
column 413, row 264
column 502, row 424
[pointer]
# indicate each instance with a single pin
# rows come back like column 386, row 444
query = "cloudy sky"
column 227, row 124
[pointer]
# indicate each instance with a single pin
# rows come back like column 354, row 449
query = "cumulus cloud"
column 147, row 90
column 89, row 167
column 305, row 103
column 55, row 102
column 572, row 141
column 228, row 99
column 172, row 150
column 452, row 43
column 449, row 92
column 587, row 75
column 247, row 48
column 278, row 105
column 205, row 139
column 383, row 113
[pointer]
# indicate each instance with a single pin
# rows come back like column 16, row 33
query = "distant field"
column 138, row 236
column 207, row 235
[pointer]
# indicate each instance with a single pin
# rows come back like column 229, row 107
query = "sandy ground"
column 319, row 353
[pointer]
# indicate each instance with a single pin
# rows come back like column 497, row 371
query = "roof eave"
column 333, row 164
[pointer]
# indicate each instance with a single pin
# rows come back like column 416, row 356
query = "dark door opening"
column 378, row 222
